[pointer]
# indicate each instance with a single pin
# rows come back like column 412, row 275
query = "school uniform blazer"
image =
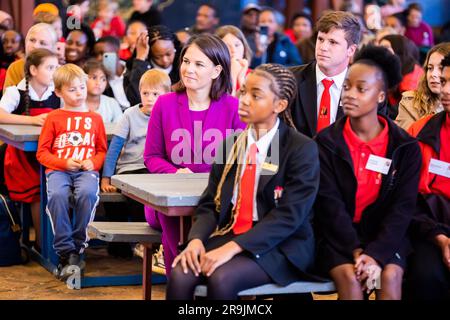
column 282, row 239
column 172, row 141
column 383, row 226
column 304, row 108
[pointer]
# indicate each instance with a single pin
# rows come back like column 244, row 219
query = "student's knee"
column 392, row 275
column 57, row 194
column 345, row 274
column 178, row 277
column 219, row 278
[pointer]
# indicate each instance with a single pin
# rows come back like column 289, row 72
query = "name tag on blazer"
column 378, row 164
column 273, row 168
column 439, row 167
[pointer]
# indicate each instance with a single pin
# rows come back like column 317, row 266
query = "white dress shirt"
column 335, row 91
column 263, row 146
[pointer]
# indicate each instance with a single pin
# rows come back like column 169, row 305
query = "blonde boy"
column 72, row 147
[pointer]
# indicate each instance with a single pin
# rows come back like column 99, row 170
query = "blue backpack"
column 10, row 251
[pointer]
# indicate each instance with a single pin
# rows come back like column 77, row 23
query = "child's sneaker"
column 138, row 250
column 62, row 271
column 158, row 261
column 158, row 258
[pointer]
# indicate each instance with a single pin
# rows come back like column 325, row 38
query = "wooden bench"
column 130, row 232
column 273, row 289
column 112, row 197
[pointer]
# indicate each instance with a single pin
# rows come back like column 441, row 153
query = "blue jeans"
column 84, row 187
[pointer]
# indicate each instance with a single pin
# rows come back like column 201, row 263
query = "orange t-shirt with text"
column 71, row 134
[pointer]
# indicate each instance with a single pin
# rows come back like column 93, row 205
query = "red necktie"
column 246, row 193
column 323, row 120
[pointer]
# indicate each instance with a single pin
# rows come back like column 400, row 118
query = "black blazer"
column 304, row 107
column 383, row 226
column 282, row 240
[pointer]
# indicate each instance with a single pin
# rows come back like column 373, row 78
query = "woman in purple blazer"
column 186, row 126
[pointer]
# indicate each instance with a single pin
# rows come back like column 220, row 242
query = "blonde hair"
column 155, row 78
column 66, row 74
column 45, row 17
column 43, row 27
column 425, row 101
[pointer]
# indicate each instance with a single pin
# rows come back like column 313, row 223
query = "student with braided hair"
column 252, row 225
column 28, row 103
column 369, row 175
column 158, row 48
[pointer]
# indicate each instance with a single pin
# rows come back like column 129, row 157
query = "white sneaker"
column 138, row 250
column 158, row 262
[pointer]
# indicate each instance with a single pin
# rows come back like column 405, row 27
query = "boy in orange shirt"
column 72, row 147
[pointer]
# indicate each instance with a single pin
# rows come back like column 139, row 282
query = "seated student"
column 425, row 100
column 96, row 101
column 72, row 146
column 125, row 152
column 429, row 269
column 108, row 23
column 41, row 35
column 252, row 225
column 116, row 68
column 12, row 49
column 28, row 103
column 134, row 30
column 158, row 48
column 79, row 45
column 368, row 185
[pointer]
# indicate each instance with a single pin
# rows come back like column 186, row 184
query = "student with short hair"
column 252, row 225
column 125, row 152
column 317, row 104
column 96, row 101
column 72, row 148
column 369, row 173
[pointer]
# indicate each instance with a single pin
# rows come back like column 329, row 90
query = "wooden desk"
column 174, row 195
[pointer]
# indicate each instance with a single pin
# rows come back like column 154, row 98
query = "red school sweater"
column 70, row 134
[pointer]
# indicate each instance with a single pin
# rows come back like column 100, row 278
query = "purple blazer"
column 174, row 141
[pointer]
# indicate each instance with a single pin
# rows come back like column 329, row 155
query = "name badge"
column 440, row 168
column 378, row 164
column 269, row 166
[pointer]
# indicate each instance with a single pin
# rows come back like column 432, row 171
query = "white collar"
column 337, row 79
column 264, row 142
column 33, row 95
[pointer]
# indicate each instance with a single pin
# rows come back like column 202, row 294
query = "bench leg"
column 147, row 271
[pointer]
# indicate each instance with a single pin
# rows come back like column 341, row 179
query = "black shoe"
column 75, row 260
column 67, row 265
